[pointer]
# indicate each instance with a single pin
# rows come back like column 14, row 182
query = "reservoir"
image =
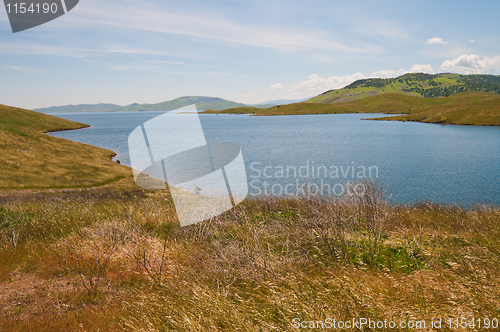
column 414, row 162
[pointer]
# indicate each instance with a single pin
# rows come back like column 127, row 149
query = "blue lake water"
column 415, row 162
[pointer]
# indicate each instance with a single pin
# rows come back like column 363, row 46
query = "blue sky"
column 247, row 51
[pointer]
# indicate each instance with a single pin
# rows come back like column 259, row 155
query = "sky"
column 248, row 51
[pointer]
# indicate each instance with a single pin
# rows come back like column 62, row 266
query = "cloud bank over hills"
column 464, row 64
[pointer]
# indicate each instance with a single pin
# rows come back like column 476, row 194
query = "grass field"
column 467, row 108
column 31, row 159
column 108, row 259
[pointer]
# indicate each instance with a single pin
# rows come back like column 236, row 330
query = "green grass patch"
column 32, row 159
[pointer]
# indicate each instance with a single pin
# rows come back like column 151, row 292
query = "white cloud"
column 387, row 29
column 125, row 67
column 170, row 62
column 386, row 73
column 22, row 69
column 436, row 41
column 418, row 68
column 23, row 48
column 208, row 26
column 246, row 98
column 316, row 83
column 249, row 95
column 276, row 86
column 472, row 41
column 472, row 64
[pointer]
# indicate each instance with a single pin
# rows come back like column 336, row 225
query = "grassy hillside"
column 202, row 103
column 31, row 159
column 468, row 108
column 471, row 108
column 414, row 84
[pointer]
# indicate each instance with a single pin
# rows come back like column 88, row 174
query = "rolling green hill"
column 414, row 84
column 467, row 108
column 32, row 159
column 202, row 103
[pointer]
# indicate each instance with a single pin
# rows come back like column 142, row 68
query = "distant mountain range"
column 202, row 103
column 79, row 108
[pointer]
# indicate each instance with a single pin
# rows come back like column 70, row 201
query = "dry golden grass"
column 116, row 259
